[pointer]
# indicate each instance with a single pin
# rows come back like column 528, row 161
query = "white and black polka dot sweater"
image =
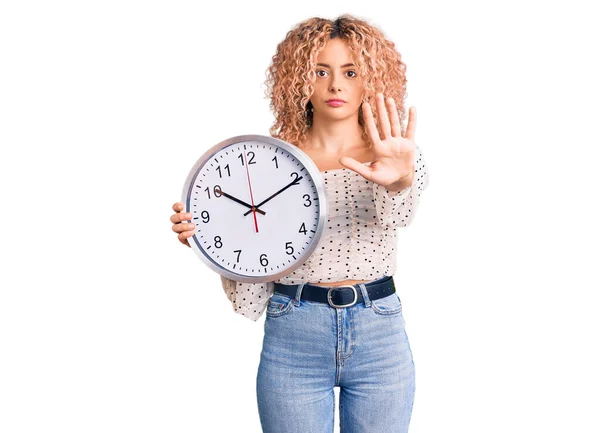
column 358, row 241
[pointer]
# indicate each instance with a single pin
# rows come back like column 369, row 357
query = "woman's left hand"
column 393, row 163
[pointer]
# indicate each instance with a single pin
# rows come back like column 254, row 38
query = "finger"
column 183, row 238
column 178, row 207
column 395, row 118
column 412, row 123
column 184, row 235
column 370, row 123
column 181, row 216
column 183, row 227
column 382, row 115
column 357, row 166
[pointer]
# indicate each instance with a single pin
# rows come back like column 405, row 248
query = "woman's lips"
column 335, row 103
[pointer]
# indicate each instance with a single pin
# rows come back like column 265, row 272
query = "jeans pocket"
column 387, row 306
column 279, row 305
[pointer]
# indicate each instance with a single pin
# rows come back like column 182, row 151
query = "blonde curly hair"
column 291, row 75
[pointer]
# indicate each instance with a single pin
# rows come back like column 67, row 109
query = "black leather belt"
column 339, row 296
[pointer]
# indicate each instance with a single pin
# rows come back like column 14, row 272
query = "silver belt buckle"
column 345, row 305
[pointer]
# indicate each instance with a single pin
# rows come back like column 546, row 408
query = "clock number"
column 205, row 216
column 289, row 246
column 219, row 170
column 218, row 242
column 295, row 176
column 239, row 252
column 275, row 159
column 263, row 260
column 302, row 229
column 307, row 198
column 250, row 161
column 216, row 190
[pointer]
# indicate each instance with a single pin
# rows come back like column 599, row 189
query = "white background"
column 109, row 324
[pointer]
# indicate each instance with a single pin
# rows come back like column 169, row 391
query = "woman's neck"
column 335, row 138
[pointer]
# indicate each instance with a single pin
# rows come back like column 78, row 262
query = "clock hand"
column 294, row 182
column 238, row 200
column 251, row 196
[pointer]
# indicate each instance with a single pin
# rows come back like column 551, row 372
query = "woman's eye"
column 323, row 73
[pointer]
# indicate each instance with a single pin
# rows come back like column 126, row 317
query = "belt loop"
column 296, row 300
column 365, row 294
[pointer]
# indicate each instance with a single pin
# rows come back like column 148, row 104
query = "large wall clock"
column 259, row 205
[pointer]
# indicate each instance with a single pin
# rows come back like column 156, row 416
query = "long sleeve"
column 248, row 299
column 398, row 208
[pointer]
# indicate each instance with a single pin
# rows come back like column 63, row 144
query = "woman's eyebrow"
column 328, row 66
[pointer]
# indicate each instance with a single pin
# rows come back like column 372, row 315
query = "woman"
column 337, row 320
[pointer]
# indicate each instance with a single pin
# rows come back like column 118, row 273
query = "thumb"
column 359, row 167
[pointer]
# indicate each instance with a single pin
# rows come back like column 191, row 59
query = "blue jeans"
column 311, row 347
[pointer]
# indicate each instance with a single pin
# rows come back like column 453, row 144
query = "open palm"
column 393, row 163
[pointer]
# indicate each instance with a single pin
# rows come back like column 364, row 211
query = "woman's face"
column 336, row 78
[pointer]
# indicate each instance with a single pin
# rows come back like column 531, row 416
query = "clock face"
column 259, row 208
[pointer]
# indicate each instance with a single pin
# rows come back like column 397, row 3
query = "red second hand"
column 251, row 197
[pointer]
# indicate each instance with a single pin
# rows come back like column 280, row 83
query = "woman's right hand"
column 184, row 229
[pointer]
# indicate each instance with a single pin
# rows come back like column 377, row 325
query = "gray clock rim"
column 313, row 171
